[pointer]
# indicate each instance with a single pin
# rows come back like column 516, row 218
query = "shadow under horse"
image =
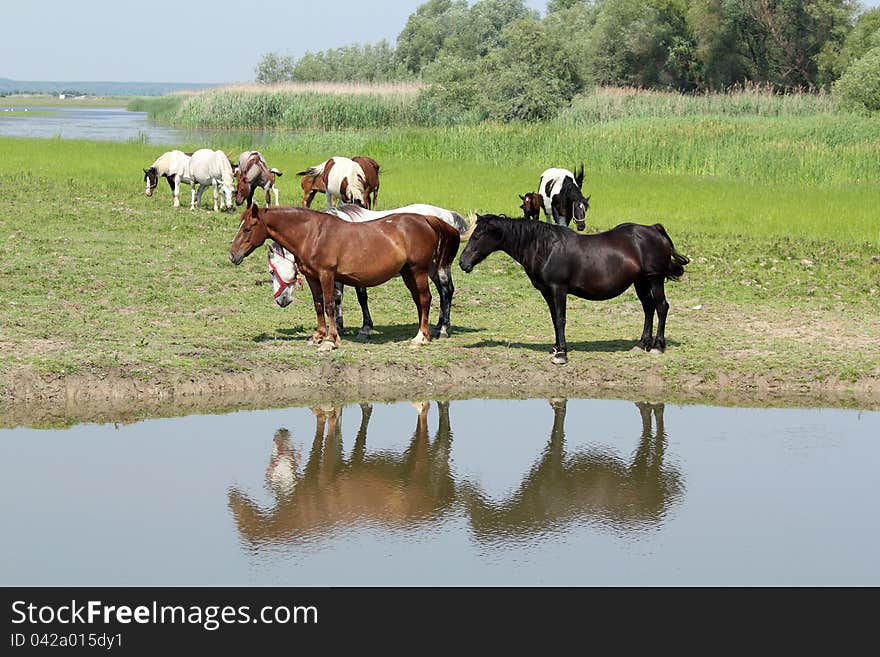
column 386, row 488
column 593, row 484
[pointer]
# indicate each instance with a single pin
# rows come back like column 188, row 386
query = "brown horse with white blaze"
column 366, row 254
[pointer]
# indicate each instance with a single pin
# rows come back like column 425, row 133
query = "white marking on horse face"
column 148, row 191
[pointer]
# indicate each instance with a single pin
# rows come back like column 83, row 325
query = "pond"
column 576, row 492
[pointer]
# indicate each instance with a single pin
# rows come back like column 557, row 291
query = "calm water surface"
column 469, row 492
column 95, row 123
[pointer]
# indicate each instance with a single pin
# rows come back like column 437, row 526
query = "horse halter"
column 297, row 277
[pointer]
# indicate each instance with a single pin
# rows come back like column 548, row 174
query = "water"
column 471, row 492
column 95, row 123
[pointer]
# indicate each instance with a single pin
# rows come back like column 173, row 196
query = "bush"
column 859, row 88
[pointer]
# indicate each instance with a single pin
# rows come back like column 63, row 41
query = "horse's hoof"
column 327, row 345
column 655, row 350
column 443, row 332
column 559, row 358
column 314, row 341
column 419, row 340
column 362, row 336
column 638, row 348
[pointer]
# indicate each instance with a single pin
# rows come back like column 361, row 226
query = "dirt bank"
column 33, row 399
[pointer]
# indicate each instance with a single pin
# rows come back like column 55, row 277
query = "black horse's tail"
column 675, row 268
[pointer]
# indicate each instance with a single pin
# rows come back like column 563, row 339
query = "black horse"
column 597, row 267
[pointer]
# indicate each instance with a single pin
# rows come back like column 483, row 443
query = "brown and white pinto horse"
column 366, row 254
column 252, row 172
column 354, row 180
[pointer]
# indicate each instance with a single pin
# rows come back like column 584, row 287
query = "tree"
column 421, row 39
column 864, row 36
column 643, row 44
column 792, row 36
column 274, row 68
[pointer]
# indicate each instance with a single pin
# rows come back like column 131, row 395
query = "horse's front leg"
column 214, row 190
column 318, row 297
column 331, row 341
column 275, row 192
column 659, row 294
column 175, row 190
column 556, row 298
column 367, row 326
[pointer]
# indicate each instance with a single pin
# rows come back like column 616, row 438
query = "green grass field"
column 97, row 278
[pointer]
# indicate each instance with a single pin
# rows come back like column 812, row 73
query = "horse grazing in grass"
column 560, row 197
column 174, row 167
column 252, row 172
column 212, row 169
column 343, row 179
column 596, row 267
column 329, row 249
column 282, row 266
column 371, row 178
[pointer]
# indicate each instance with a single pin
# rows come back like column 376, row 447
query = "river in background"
column 100, row 124
column 467, row 492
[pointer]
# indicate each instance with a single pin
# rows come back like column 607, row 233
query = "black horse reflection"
column 589, row 484
column 416, row 485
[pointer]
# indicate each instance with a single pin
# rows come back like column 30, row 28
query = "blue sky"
column 206, row 41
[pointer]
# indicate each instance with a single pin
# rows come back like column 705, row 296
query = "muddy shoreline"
column 33, row 399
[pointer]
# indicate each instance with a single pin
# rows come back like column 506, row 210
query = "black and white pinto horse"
column 285, row 274
column 174, row 167
column 597, row 267
column 560, row 197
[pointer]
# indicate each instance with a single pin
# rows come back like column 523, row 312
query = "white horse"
column 282, row 265
column 344, row 179
column 211, row 169
column 174, row 167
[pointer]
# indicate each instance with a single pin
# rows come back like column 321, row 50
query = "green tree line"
column 497, row 59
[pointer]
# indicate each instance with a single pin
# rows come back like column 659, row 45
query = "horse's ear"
column 521, row 197
column 146, row 170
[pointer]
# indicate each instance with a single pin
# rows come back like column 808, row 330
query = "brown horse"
column 311, row 185
column 366, row 254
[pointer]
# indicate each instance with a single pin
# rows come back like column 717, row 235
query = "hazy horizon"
column 82, row 42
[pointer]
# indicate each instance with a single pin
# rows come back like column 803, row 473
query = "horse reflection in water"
column 383, row 488
column 592, row 484
column 403, row 489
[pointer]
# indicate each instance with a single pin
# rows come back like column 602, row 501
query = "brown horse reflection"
column 595, row 484
column 383, row 488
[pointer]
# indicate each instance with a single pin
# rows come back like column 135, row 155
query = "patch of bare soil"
column 33, row 399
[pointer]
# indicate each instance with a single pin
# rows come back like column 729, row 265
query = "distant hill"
column 8, row 86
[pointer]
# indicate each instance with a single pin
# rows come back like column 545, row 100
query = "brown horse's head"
column 242, row 190
column 531, row 205
column 251, row 234
column 151, row 178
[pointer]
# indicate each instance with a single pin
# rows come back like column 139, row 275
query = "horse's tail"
column 675, row 267
column 317, row 170
column 447, row 245
column 461, row 224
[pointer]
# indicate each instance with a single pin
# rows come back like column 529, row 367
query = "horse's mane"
column 521, row 233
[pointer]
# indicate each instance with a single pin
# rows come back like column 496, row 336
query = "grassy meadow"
column 783, row 288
